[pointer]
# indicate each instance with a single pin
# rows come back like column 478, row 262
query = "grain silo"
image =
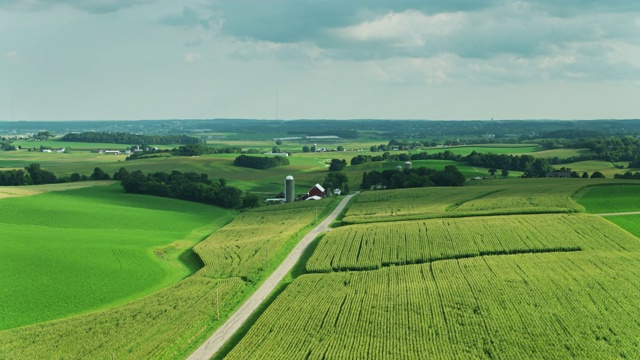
column 408, row 165
column 289, row 189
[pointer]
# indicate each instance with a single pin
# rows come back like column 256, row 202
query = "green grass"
column 631, row 223
column 610, row 199
column 71, row 252
column 559, row 153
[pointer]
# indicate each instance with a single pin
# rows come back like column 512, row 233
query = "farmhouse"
column 112, row 152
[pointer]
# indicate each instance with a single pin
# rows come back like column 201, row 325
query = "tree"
column 337, row 164
column 278, row 142
column 306, row 149
column 340, row 148
column 336, row 180
column 275, row 149
column 505, row 172
column 597, row 175
column 99, row 174
column 120, row 174
column 493, row 171
column 250, row 200
column 585, row 175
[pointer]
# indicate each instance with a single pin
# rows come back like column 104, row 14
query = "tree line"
column 411, row 178
column 33, row 174
column 188, row 186
column 260, row 162
column 128, row 138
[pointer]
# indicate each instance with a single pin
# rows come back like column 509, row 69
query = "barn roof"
column 319, row 187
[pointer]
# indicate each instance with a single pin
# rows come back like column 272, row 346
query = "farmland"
column 171, row 322
column 492, row 197
column 366, row 247
column 97, row 245
column 488, row 270
column 610, row 199
column 488, row 290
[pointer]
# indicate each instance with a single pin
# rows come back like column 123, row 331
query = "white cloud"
column 12, row 55
column 408, row 28
column 192, row 57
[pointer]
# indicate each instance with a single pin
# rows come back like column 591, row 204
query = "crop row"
column 553, row 305
column 526, row 196
column 372, row 246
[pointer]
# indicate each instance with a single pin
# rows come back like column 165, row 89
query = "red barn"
column 316, row 192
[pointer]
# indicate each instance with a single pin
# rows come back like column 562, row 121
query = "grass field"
column 610, row 199
column 71, row 252
column 174, row 321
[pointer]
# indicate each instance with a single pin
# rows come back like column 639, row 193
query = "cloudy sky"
column 331, row 59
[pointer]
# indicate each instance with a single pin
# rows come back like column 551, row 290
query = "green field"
column 610, row 199
column 172, row 322
column 71, row 252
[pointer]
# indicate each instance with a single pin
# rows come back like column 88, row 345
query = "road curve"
column 226, row 331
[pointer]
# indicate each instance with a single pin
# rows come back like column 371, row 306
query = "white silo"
column 408, row 165
column 289, row 189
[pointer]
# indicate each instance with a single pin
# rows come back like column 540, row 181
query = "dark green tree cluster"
column 531, row 166
column 7, row 146
column 14, row 178
column 337, row 164
column 613, row 149
column 201, row 149
column 410, row 178
column 260, row 162
column 128, row 138
column 187, row 186
column 628, row 175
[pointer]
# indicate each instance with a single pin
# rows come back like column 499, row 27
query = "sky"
column 331, row 59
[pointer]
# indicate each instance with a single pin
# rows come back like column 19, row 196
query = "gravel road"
column 226, row 331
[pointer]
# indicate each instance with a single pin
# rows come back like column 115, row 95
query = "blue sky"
column 402, row 59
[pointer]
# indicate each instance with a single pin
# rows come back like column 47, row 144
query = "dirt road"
column 226, row 331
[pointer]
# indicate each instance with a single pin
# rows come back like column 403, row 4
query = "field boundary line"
column 212, row 345
column 620, row 213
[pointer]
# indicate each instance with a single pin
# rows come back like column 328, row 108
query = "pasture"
column 75, row 251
